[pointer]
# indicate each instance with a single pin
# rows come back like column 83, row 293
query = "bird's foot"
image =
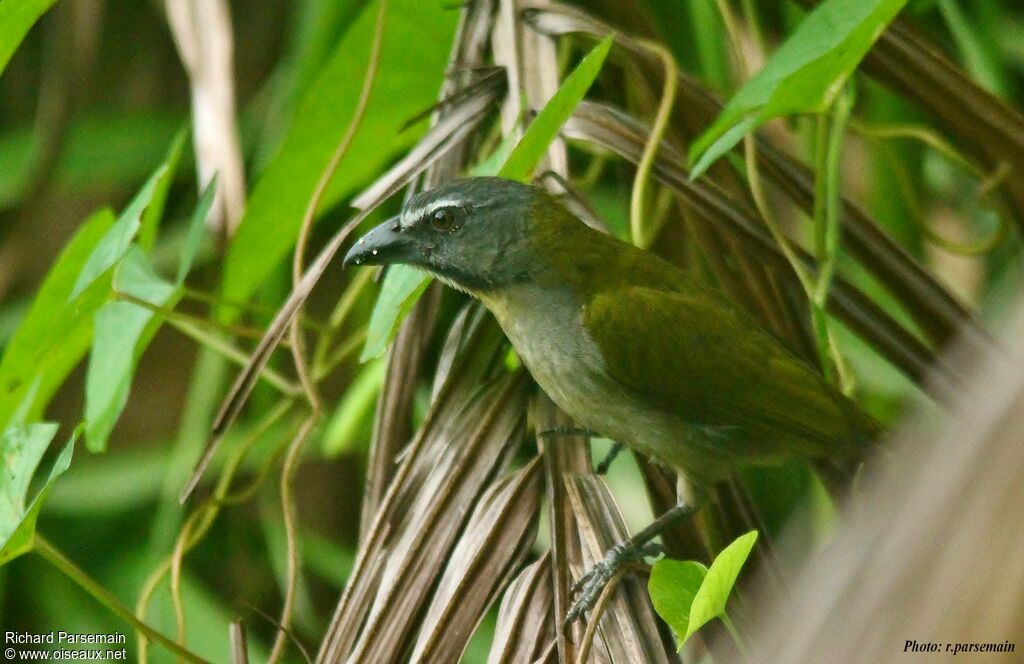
column 606, row 463
column 560, row 431
column 588, row 588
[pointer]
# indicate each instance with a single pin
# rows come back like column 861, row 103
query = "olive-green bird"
column 624, row 342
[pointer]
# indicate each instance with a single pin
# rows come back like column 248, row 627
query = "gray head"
column 472, row 233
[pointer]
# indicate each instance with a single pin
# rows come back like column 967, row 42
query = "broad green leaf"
column 154, row 211
column 55, row 332
column 22, row 447
column 672, row 586
column 408, row 80
column 687, row 595
column 709, row 602
column 402, row 284
column 402, row 287
column 803, row 76
column 545, row 127
column 121, row 333
column 314, row 29
column 18, row 527
column 354, row 410
column 117, row 240
column 16, row 17
column 195, row 229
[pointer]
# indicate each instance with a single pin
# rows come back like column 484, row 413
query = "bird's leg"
column 606, row 463
column 563, row 430
column 637, row 547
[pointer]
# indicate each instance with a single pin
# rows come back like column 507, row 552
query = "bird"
column 626, row 343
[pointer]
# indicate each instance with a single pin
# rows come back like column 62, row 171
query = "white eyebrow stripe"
column 408, row 217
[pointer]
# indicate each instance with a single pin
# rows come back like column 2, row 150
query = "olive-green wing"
column 700, row 358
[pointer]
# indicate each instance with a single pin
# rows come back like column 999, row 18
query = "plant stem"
column 734, row 633
column 641, row 236
column 229, row 352
column 302, row 367
column 103, row 596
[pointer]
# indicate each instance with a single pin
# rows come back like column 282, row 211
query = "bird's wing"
column 699, row 357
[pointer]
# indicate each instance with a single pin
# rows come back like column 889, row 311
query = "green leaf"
column 55, row 333
column 24, row 446
column 672, row 586
column 408, row 80
column 544, row 128
column 16, row 17
column 195, row 229
column 121, row 334
column 117, row 240
column 151, row 217
column 354, row 410
column 402, row 287
column 687, row 595
column 714, row 592
column 803, row 76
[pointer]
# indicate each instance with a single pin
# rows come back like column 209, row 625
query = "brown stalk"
column 452, row 417
column 295, row 332
column 562, row 457
column 291, row 462
column 628, row 630
column 239, row 647
column 393, row 417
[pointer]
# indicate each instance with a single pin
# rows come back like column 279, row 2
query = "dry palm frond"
column 931, row 552
column 392, row 424
column 493, row 546
column 525, row 629
column 202, row 32
column 628, row 629
column 470, row 432
column 562, row 457
column 392, row 420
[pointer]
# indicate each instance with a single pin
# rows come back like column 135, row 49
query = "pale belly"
column 568, row 366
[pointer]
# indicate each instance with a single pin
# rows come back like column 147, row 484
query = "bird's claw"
column 589, row 587
column 606, row 463
column 561, row 431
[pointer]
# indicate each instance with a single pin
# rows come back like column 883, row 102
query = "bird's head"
column 474, row 234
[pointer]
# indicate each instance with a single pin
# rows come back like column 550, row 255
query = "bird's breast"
column 546, row 329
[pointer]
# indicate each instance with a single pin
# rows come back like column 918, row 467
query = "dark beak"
column 384, row 245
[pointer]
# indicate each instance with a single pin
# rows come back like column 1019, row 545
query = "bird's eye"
column 446, row 219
